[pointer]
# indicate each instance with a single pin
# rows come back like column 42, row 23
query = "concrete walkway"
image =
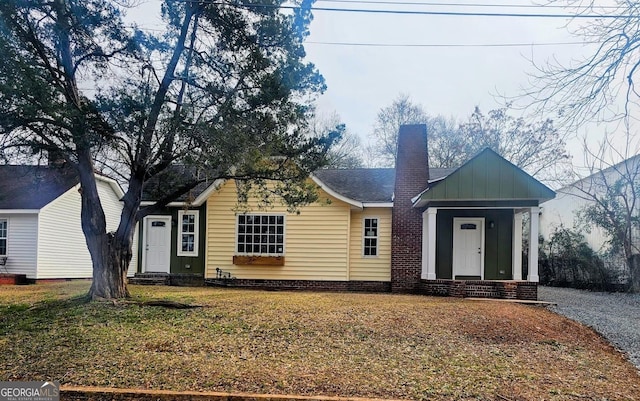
column 614, row 315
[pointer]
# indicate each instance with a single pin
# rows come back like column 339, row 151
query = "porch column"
column 429, row 244
column 533, row 244
column 517, row 246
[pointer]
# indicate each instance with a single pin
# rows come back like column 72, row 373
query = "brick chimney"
column 412, row 177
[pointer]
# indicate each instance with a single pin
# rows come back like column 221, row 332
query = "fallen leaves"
column 365, row 345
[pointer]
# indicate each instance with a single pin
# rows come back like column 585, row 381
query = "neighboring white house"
column 40, row 231
column 569, row 200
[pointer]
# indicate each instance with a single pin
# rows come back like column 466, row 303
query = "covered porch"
column 477, row 252
column 473, row 231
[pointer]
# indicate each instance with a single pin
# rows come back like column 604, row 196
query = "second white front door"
column 468, row 247
column 157, row 242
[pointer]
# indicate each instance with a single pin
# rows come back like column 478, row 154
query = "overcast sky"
column 448, row 80
column 447, row 63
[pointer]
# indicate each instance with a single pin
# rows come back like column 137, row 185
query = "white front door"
column 468, row 247
column 157, row 244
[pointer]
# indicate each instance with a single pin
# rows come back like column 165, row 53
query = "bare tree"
column 600, row 86
column 612, row 192
column 347, row 150
column 385, row 132
column 448, row 145
column 536, row 147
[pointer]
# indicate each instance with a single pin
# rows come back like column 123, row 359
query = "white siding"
column 21, row 243
column 562, row 210
column 62, row 250
column 134, row 260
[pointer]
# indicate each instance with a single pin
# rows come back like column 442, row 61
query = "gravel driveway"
column 614, row 315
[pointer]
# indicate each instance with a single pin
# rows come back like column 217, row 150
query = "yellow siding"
column 370, row 268
column 315, row 240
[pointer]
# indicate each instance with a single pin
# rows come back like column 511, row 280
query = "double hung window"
column 3, row 236
column 370, row 237
column 188, row 233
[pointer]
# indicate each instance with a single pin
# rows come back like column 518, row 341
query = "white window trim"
column 196, row 236
column 6, row 238
column 377, row 237
column 284, row 235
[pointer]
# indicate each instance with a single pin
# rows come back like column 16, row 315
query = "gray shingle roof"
column 33, row 187
column 362, row 184
column 368, row 184
column 171, row 178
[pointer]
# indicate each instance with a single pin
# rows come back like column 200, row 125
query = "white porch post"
column 429, row 244
column 517, row 246
column 533, row 244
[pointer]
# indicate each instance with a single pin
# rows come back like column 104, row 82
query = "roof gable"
column 33, row 187
column 487, row 176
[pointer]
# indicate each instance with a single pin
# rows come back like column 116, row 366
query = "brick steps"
column 150, row 279
column 186, row 280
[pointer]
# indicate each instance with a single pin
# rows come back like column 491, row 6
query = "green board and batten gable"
column 493, row 191
column 487, row 178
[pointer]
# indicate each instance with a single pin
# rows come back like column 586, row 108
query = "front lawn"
column 366, row 345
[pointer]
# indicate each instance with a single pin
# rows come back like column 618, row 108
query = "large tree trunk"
column 110, row 252
column 111, row 255
column 110, row 273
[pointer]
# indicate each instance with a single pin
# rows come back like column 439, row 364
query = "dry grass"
column 368, row 345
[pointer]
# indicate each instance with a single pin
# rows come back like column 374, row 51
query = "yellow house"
column 409, row 229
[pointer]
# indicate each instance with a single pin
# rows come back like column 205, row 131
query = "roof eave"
column 420, row 203
column 378, row 204
column 200, row 199
column 352, row 202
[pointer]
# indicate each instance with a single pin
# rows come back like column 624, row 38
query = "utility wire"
column 448, row 44
column 362, row 44
column 415, row 12
column 444, row 13
column 476, row 5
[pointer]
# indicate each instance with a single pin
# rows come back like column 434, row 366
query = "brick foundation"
column 307, row 285
column 13, row 279
column 175, row 279
column 523, row 290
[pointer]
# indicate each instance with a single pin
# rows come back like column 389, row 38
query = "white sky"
column 445, row 80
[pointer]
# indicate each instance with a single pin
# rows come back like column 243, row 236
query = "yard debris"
column 311, row 344
column 169, row 304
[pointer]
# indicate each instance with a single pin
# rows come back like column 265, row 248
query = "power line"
column 447, row 44
column 362, row 44
column 415, row 12
column 473, row 5
column 444, row 13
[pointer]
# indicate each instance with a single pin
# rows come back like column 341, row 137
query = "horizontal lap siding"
column 62, row 249
column 21, row 243
column 315, row 240
column 370, row 268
